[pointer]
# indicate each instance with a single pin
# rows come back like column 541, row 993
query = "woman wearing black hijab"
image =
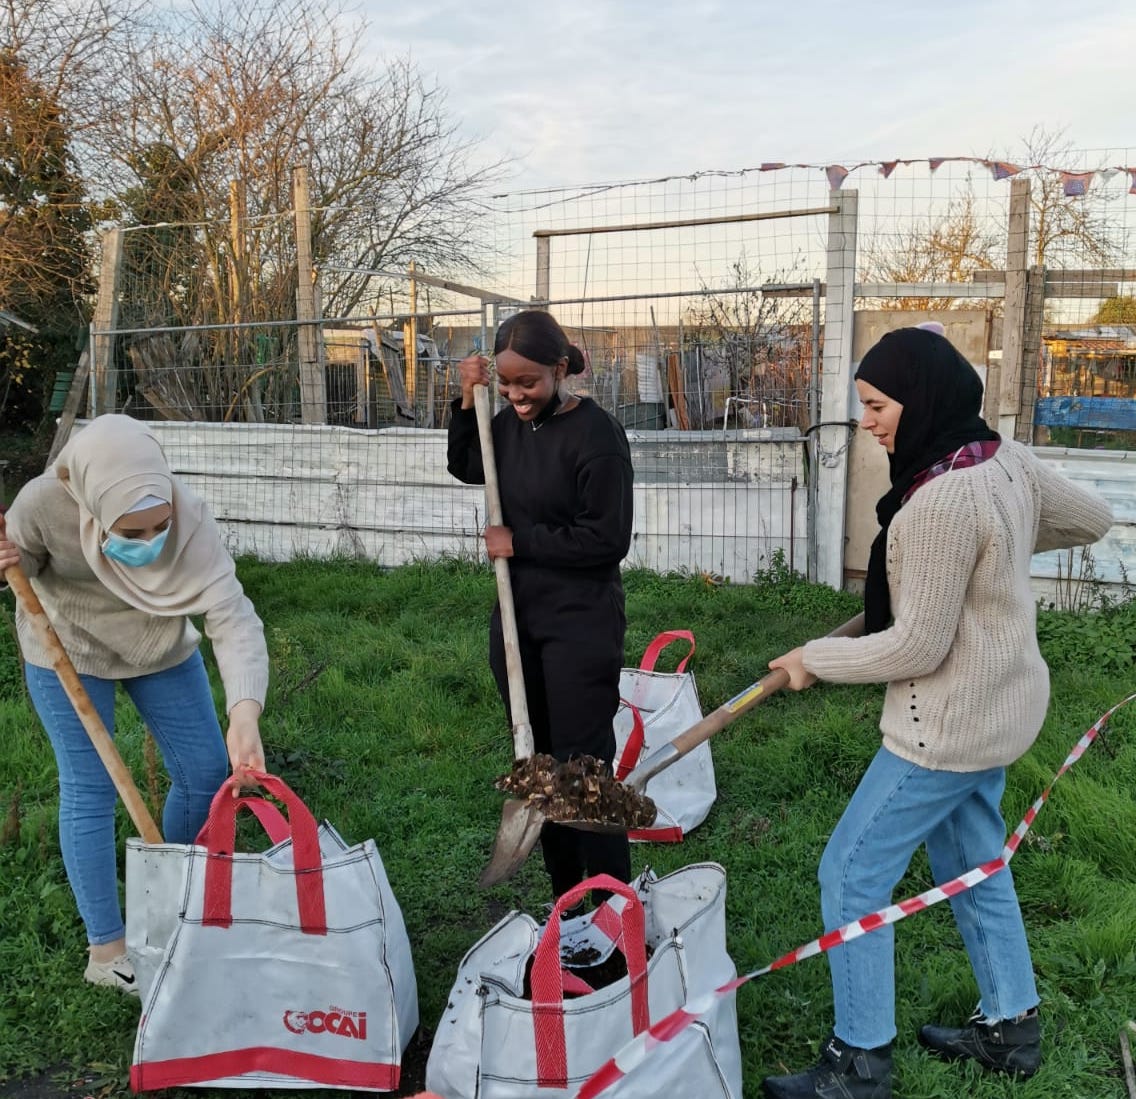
column 951, row 630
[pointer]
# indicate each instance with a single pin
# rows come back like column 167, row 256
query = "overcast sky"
column 600, row 90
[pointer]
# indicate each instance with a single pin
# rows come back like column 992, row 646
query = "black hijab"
column 941, row 394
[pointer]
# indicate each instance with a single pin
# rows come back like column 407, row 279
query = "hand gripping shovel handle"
column 729, row 711
column 84, row 707
column 518, row 705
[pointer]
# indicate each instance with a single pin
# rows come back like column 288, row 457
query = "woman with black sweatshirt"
column 565, row 476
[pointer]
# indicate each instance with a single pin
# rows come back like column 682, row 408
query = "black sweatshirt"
column 565, row 487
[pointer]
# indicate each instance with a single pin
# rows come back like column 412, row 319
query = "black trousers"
column 571, row 639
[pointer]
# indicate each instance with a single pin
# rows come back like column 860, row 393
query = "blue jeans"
column 897, row 806
column 177, row 706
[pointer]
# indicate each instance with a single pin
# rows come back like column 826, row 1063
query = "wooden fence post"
column 313, row 386
column 543, row 269
column 1014, row 313
column 1031, row 352
column 104, row 382
column 410, row 344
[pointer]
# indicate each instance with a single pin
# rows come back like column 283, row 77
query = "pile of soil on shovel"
column 580, row 790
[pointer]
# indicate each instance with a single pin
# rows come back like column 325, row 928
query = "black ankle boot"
column 1008, row 1045
column 844, row 1072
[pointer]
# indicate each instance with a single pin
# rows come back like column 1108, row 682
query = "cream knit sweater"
column 105, row 636
column 967, row 686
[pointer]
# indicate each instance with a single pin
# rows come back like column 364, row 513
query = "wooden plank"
column 393, row 376
column 460, row 288
column 1100, row 413
column 70, row 407
column 685, row 223
column 677, row 386
column 1103, row 274
column 963, row 290
column 1081, row 289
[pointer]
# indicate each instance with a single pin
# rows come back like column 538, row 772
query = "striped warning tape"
column 632, row 1054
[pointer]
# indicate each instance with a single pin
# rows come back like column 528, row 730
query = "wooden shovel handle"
column 518, row 703
column 84, row 707
column 729, row 711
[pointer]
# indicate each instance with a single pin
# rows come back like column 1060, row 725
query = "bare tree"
column 762, row 342
column 944, row 249
column 1065, row 230
column 233, row 96
column 71, row 49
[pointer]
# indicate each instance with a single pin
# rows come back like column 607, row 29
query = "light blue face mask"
column 134, row 552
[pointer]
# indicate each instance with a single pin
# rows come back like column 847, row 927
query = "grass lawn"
column 384, row 717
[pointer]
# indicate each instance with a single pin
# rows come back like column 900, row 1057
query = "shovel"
column 520, row 822
column 674, row 750
column 84, row 707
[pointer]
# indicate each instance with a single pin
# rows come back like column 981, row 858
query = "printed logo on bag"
column 336, row 1020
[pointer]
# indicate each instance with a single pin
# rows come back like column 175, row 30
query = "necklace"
column 547, row 412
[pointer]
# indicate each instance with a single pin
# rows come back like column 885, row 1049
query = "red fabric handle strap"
column 651, row 654
column 273, row 822
column 548, row 975
column 633, row 749
column 307, row 861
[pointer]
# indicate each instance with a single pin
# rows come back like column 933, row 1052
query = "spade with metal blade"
column 636, row 782
column 520, row 822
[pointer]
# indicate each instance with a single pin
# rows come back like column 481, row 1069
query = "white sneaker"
column 117, row 973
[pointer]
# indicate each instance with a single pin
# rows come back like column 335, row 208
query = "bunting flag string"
column 1073, row 182
column 1076, row 183
column 837, row 174
column 667, row 1028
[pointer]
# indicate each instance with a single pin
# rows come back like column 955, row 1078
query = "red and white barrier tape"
column 632, row 1054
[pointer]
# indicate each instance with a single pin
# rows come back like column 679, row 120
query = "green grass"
column 383, row 715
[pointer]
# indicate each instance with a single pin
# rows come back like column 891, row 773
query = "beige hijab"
column 109, row 467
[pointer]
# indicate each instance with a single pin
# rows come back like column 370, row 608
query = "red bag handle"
column 307, row 861
column 548, row 976
column 271, row 820
column 633, row 749
column 651, row 655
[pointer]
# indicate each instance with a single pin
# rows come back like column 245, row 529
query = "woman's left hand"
column 246, row 753
column 794, row 663
column 498, row 542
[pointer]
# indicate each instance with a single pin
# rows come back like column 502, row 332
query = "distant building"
column 1094, row 361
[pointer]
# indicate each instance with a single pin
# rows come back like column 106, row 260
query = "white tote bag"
column 286, row 969
column 655, row 708
column 504, row 1038
column 155, row 875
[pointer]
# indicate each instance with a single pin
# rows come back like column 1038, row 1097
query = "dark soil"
column 598, row 975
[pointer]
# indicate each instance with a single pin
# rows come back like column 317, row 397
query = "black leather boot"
column 1008, row 1045
column 844, row 1072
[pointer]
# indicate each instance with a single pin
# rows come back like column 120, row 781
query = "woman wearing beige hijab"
column 121, row 556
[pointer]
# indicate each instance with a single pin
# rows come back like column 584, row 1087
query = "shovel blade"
column 516, row 836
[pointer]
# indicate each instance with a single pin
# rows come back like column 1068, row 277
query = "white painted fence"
column 713, row 502
column 1112, row 473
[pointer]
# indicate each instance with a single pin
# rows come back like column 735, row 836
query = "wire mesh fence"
column 716, row 313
